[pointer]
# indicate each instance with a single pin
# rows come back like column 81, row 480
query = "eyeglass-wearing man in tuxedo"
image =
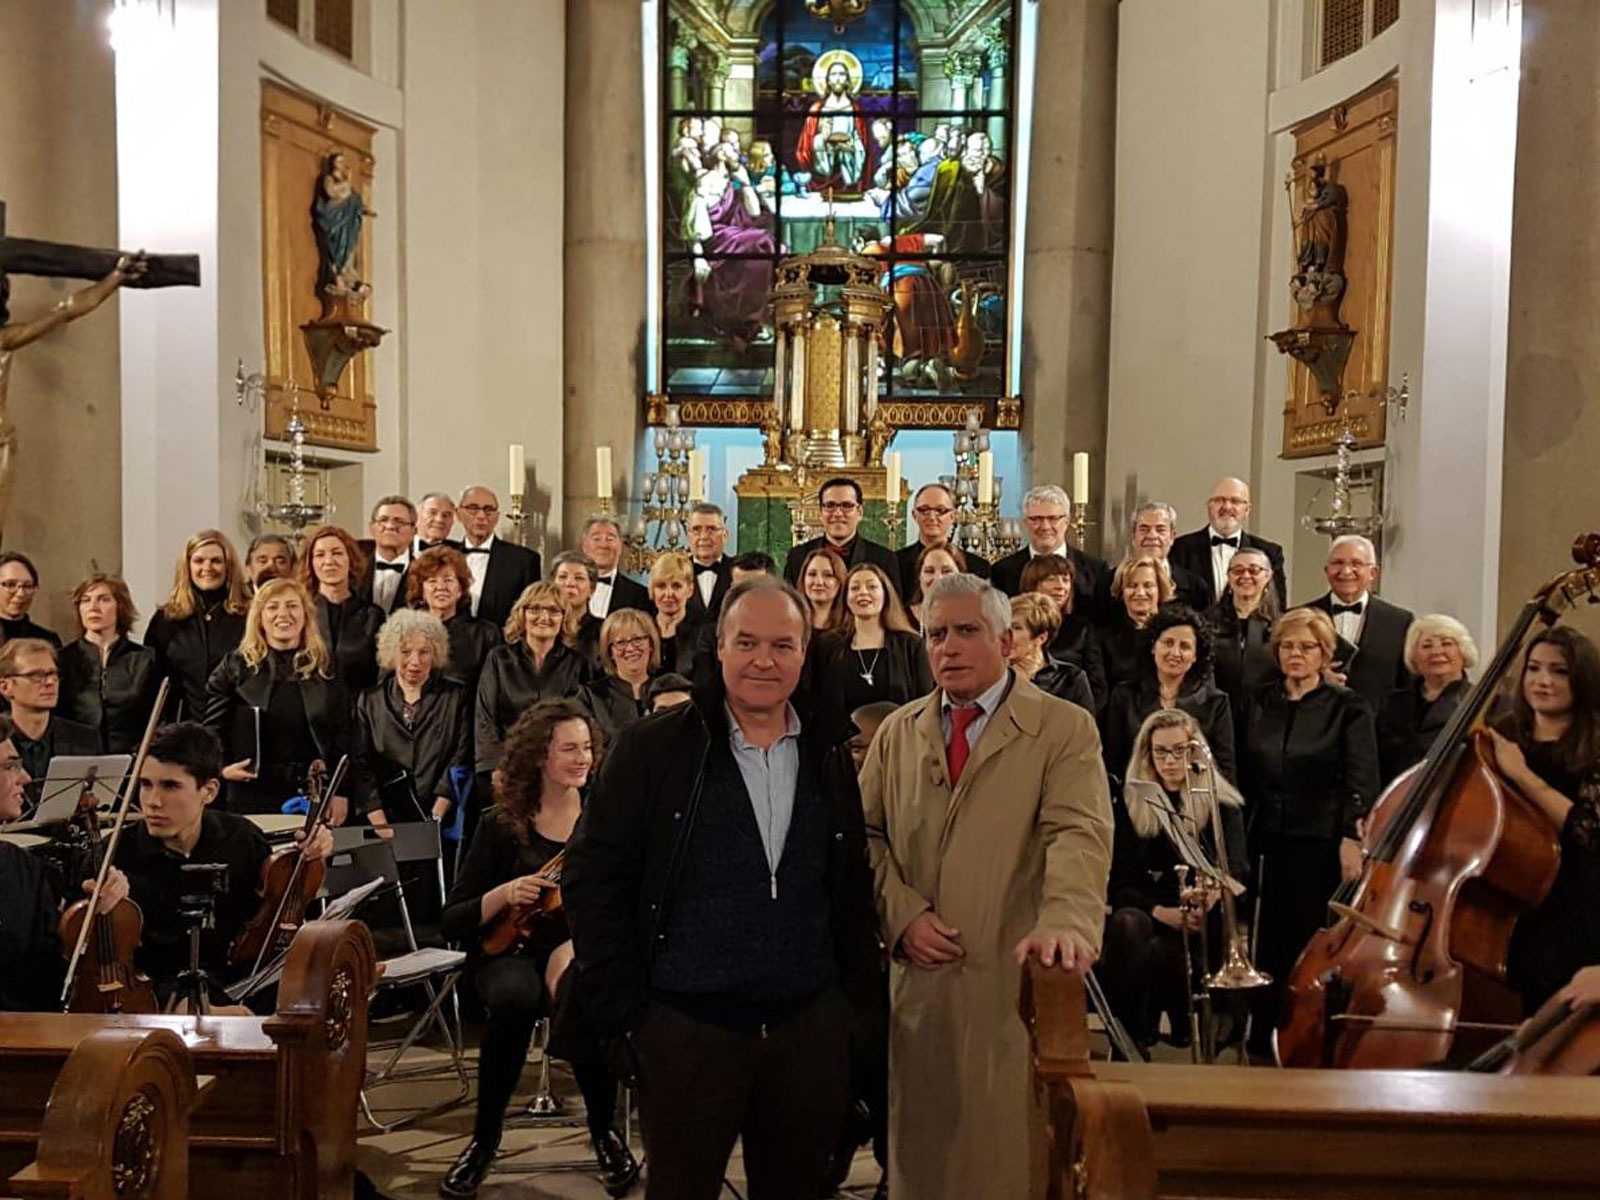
column 388, row 552
column 602, row 542
column 843, row 506
column 1047, row 513
column 1207, row 552
column 500, row 570
column 1372, row 632
column 708, row 535
column 934, row 511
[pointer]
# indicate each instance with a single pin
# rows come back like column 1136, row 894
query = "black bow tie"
column 383, row 566
column 700, row 570
column 1225, row 541
column 1346, row 608
column 607, row 580
column 477, row 550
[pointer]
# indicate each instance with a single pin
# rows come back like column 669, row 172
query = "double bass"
column 1413, row 970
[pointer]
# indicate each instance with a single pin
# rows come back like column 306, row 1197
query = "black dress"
column 189, row 649
column 1119, row 652
column 1409, row 723
column 1562, row 935
column 611, row 703
column 1074, row 643
column 678, row 651
column 1066, row 681
column 350, row 630
column 1131, row 703
column 115, row 698
column 1241, row 660
column 511, row 684
column 471, row 639
column 300, row 719
column 899, row 671
column 402, row 753
column 25, row 627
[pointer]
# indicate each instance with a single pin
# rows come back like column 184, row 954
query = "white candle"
column 519, row 469
column 986, row 477
column 1080, row 477
column 697, row 476
column 602, row 472
column 892, row 488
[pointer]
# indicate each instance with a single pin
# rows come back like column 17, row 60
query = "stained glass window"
column 892, row 116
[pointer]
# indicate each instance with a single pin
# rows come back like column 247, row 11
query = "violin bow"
column 319, row 817
column 109, row 848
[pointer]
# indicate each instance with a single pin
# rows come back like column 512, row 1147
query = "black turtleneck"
column 23, row 627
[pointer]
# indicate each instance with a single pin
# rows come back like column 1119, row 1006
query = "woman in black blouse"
column 412, row 727
column 822, row 584
column 439, row 580
column 1074, row 642
column 19, row 587
column 1120, row 648
column 1035, row 620
column 1164, row 820
column 1439, row 651
column 549, row 756
column 534, row 664
column 108, row 680
column 201, row 622
column 671, row 583
column 576, row 575
column 1241, row 626
column 630, row 653
column 1308, row 767
column 277, row 704
column 1176, row 673
column 873, row 655
column 329, row 567
column 1549, row 748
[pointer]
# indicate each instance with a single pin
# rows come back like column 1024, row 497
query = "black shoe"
column 467, row 1173
column 619, row 1170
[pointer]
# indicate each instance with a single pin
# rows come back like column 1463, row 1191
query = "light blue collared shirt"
column 988, row 701
column 770, row 776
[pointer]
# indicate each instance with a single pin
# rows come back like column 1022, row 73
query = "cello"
column 1413, row 970
column 101, row 976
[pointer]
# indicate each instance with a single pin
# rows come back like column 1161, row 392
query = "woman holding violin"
column 506, row 899
column 1549, row 749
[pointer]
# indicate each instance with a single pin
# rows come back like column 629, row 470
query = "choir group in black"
column 469, row 688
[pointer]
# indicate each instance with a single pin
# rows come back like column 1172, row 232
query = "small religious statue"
column 879, row 433
column 834, row 138
column 1318, row 282
column 840, row 12
column 771, row 435
column 342, row 331
column 14, row 336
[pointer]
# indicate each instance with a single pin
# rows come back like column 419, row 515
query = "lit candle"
column 986, row 477
column 602, row 472
column 892, row 488
column 1080, row 477
column 519, row 469
column 697, row 476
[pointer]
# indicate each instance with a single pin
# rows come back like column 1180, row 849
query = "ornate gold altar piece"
column 828, row 312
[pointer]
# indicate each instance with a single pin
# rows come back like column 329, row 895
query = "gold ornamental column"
column 604, row 250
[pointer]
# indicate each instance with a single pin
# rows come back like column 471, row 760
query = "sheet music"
column 336, row 910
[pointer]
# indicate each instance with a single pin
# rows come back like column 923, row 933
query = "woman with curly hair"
column 277, row 704
column 1174, row 673
column 201, row 621
column 513, row 859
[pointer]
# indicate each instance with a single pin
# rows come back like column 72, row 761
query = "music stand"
column 65, row 781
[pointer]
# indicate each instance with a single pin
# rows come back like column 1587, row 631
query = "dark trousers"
column 1141, row 969
column 702, row 1087
column 1301, row 876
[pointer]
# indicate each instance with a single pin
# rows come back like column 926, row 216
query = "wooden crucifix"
column 110, row 269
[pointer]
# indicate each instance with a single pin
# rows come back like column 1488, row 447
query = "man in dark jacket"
column 720, row 905
column 842, row 505
column 1207, row 552
column 1371, row 651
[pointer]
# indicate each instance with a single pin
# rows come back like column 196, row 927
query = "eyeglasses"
column 929, row 510
column 18, row 585
column 633, row 643
column 37, row 676
column 1244, row 569
column 394, row 523
column 547, row 610
column 839, row 506
column 1174, row 754
column 1229, row 501
column 480, row 510
column 1057, row 519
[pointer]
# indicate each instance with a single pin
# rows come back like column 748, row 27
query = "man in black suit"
column 934, row 511
column 708, row 534
column 436, row 517
column 1372, row 632
column 500, row 570
column 1207, row 552
column 388, row 552
column 843, row 506
column 1047, row 513
column 1155, row 525
column 602, row 542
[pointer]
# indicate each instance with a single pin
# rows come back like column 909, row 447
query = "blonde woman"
column 1035, row 622
column 671, row 585
column 1139, row 587
column 1439, row 651
column 536, row 663
column 201, row 621
column 1163, row 821
column 277, row 703
column 630, row 653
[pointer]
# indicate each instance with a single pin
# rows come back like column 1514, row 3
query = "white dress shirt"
column 705, row 581
column 1348, row 625
column 1222, row 556
column 600, row 598
column 386, row 583
column 478, row 565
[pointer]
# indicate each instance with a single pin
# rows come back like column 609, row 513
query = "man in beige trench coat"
column 983, row 854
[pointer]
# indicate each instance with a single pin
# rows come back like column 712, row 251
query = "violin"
column 1413, row 970
column 101, row 976
column 512, row 929
column 289, row 880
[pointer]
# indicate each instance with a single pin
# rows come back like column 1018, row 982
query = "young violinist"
column 549, row 755
column 1549, row 748
column 182, row 776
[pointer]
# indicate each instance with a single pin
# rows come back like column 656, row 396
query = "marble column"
column 959, row 71
column 1067, row 265
column 677, row 66
column 604, row 250
column 998, row 54
column 1552, row 409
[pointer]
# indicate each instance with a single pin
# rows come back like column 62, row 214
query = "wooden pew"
column 280, row 1121
column 1238, row 1132
column 117, row 1123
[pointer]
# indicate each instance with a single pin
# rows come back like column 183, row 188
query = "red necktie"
column 961, row 720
